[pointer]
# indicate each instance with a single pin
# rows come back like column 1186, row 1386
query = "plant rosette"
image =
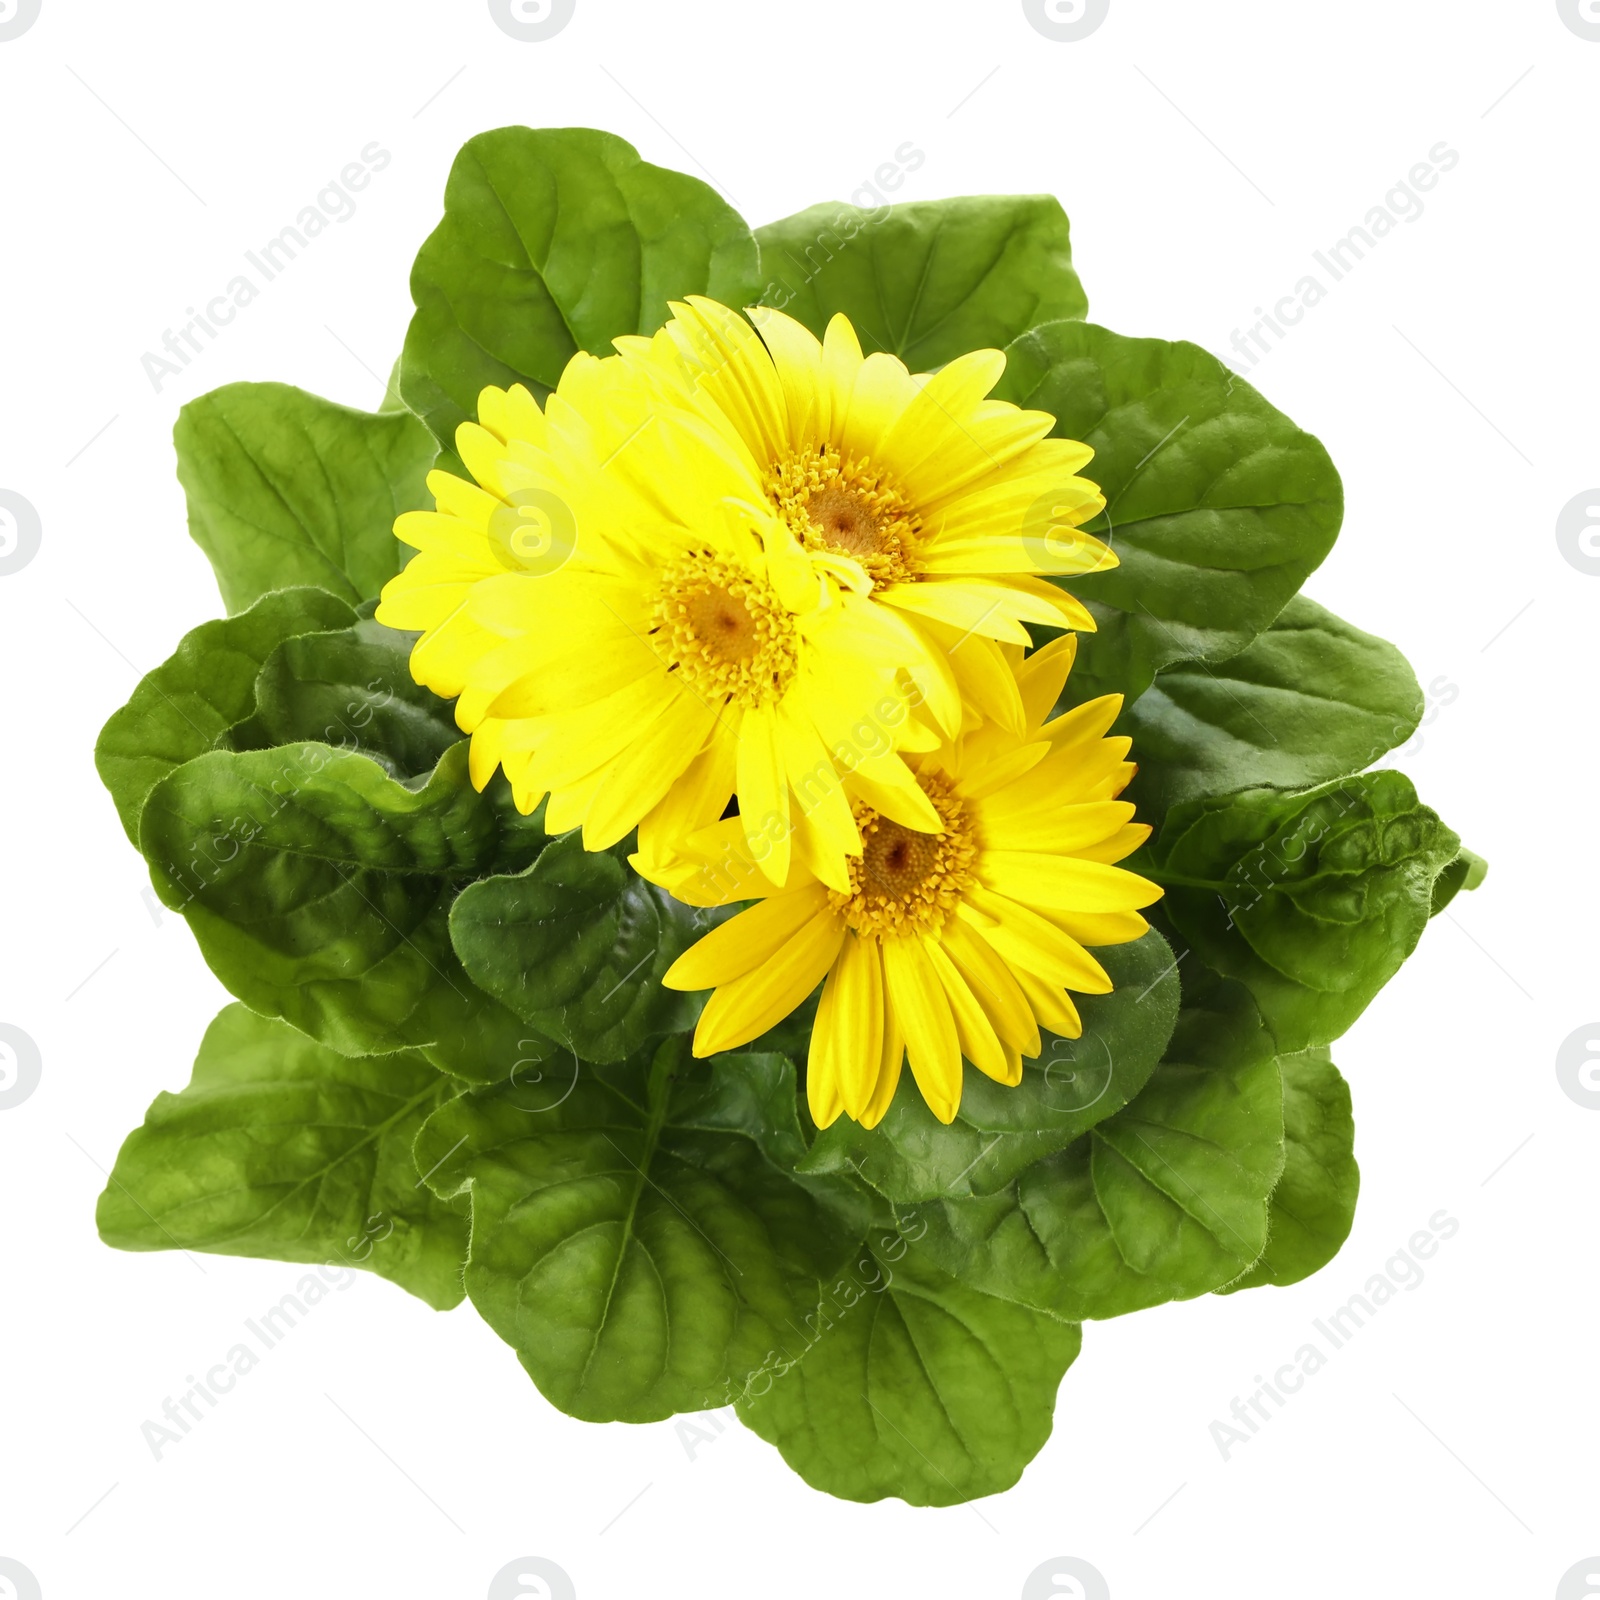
column 829, row 852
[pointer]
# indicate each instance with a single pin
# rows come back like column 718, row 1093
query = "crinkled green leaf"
column 910, row 1382
column 282, row 1148
column 630, row 1239
column 1166, row 1200
column 318, row 888
column 287, row 488
column 186, row 706
column 576, row 946
column 556, row 240
column 1070, row 1086
column 1311, row 898
column 1218, row 506
column 928, row 280
column 1314, row 1202
column 1312, row 698
column 353, row 690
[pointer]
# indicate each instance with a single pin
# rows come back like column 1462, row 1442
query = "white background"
column 1203, row 151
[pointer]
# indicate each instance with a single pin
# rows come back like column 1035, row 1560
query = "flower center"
column 831, row 503
column 724, row 630
column 906, row 882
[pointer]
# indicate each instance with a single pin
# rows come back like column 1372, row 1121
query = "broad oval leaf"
column 556, row 240
column 630, row 1239
column 318, row 888
column 1166, row 1200
column 1218, row 506
column 1312, row 698
column 1311, row 898
column 1070, row 1086
column 576, row 946
column 287, row 488
column 284, row 1149
column 928, row 280
column 187, row 705
column 911, row 1383
column 1314, row 1203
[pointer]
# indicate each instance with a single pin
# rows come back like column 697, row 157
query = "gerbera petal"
column 746, row 941
column 975, row 1031
column 888, row 1080
column 1065, row 883
column 847, row 1039
column 1031, row 942
column 969, row 605
column 994, row 984
column 1052, row 1005
column 917, row 1000
column 744, row 1009
column 764, row 792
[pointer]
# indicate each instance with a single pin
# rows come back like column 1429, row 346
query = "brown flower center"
column 906, row 881
column 831, row 503
column 725, row 631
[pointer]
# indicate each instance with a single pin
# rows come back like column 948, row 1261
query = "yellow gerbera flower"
column 960, row 943
column 639, row 648
column 947, row 508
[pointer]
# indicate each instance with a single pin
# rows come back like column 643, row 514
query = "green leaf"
column 1315, row 1200
column 281, row 1148
column 1070, row 1086
column 287, row 488
column 631, row 1241
column 186, row 706
column 576, row 945
column 1218, row 506
column 1463, row 875
column 318, row 888
column 911, row 1383
column 1166, row 1200
column 927, row 281
column 556, row 240
column 352, row 690
column 1312, row 899
column 1312, row 698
